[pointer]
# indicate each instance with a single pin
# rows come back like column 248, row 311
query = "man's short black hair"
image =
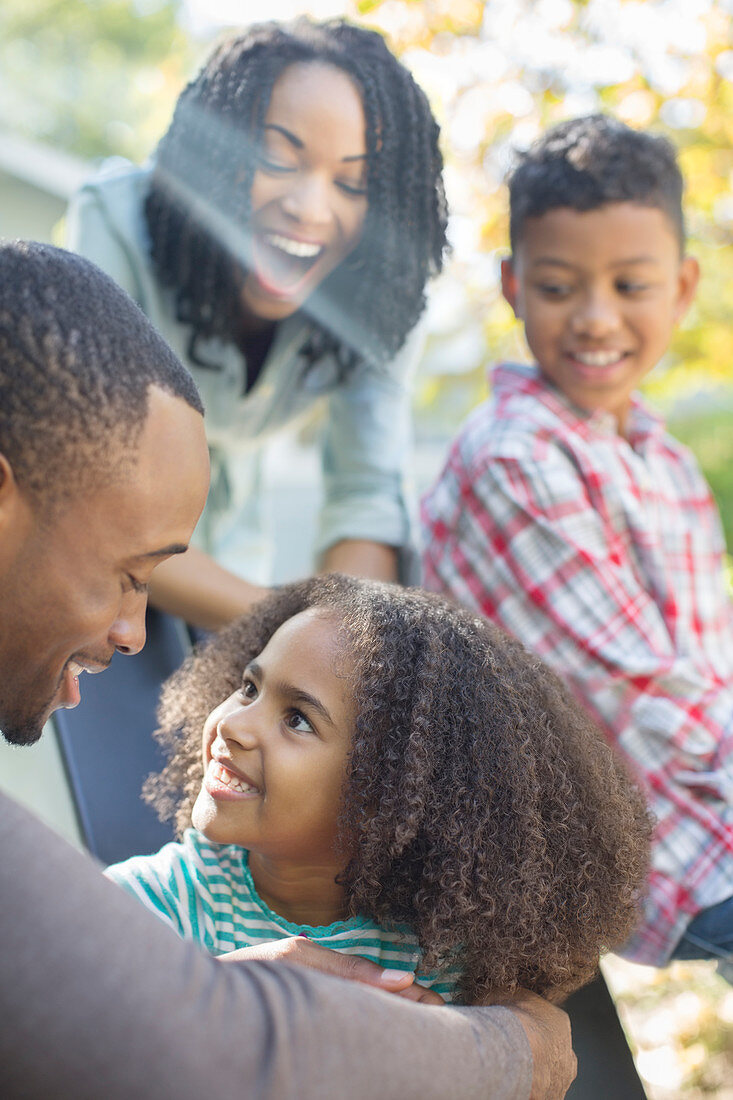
column 585, row 163
column 77, row 359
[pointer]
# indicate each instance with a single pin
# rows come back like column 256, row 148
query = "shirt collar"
column 526, row 378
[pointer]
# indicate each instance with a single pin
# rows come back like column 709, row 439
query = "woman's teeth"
column 302, row 250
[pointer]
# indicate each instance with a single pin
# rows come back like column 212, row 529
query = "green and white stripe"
column 205, row 892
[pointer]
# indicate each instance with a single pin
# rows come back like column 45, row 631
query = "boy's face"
column 599, row 293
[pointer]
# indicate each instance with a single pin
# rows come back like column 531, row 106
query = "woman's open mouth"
column 281, row 264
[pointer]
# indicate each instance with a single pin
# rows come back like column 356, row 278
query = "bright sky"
column 205, row 15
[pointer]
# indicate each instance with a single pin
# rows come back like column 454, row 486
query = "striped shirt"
column 605, row 555
column 205, row 892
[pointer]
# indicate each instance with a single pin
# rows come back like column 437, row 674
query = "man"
column 103, row 473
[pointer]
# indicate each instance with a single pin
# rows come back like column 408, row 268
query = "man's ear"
column 9, row 491
column 7, row 480
column 687, row 280
column 510, row 284
column 16, row 515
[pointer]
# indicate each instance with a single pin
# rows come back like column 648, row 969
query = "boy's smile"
column 275, row 757
column 599, row 293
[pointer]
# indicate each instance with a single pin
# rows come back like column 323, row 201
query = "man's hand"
column 303, row 952
column 548, row 1030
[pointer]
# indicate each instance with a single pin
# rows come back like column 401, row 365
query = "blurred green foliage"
column 94, row 77
column 709, row 434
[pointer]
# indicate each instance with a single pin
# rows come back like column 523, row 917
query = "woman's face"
column 309, row 196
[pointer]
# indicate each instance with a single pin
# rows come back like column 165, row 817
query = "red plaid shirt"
column 605, row 556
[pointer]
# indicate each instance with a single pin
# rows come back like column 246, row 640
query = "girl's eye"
column 248, row 689
column 297, row 721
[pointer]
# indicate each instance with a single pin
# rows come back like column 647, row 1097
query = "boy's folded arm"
column 536, row 556
column 99, row 997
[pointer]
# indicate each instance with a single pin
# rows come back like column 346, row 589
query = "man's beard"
column 18, row 729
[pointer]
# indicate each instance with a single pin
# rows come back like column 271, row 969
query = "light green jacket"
column 366, row 438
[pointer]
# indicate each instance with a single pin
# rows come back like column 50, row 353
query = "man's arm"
column 100, row 999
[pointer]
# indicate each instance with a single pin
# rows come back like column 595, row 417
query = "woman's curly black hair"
column 198, row 206
column 481, row 805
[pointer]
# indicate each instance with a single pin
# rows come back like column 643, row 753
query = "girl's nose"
column 308, row 201
column 596, row 316
column 240, row 725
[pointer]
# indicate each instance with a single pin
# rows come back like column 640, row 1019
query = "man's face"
column 74, row 589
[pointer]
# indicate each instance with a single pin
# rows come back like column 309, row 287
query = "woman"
column 281, row 242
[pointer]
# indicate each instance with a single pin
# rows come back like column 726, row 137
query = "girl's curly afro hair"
column 481, row 805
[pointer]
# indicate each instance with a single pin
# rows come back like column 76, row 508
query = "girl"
column 395, row 778
column 281, row 242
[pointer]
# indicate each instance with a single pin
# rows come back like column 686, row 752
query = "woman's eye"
column 274, row 166
column 298, row 722
column 357, row 190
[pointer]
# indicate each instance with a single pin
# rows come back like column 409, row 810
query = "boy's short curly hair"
column 481, row 805
column 587, row 162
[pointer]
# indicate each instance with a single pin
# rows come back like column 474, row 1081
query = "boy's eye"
column 554, row 290
column 630, row 286
column 297, row 721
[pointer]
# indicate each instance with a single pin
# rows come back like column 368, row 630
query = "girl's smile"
column 225, row 782
column 275, row 755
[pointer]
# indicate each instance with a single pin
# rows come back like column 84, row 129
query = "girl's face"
column 308, row 201
column 275, row 752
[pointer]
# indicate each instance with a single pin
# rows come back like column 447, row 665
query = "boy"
column 568, row 515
